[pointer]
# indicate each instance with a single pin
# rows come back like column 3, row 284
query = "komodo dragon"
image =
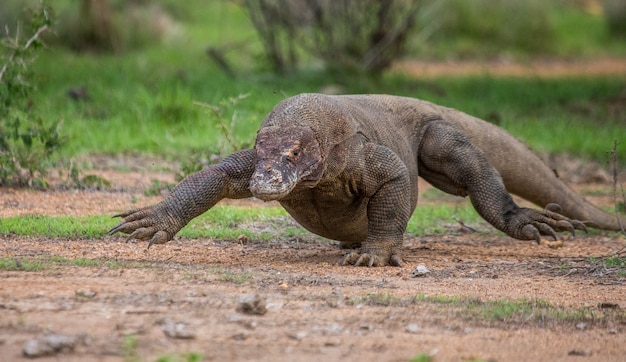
column 346, row 167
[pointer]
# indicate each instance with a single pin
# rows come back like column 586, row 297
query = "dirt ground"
column 187, row 296
column 289, row 300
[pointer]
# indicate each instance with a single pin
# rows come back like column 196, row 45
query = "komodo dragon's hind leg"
column 454, row 163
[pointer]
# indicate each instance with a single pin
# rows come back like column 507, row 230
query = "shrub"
column 615, row 14
column 26, row 140
column 113, row 26
column 346, row 34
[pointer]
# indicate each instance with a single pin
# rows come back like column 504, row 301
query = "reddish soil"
column 544, row 69
column 315, row 308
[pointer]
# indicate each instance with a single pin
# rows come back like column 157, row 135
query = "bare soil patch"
column 186, row 296
column 548, row 68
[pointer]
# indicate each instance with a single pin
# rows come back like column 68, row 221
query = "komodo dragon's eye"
column 295, row 152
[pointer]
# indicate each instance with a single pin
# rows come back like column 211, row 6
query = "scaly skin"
column 346, row 168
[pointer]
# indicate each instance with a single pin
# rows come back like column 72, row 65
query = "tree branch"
column 26, row 46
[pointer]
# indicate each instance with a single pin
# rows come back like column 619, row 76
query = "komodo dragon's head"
column 286, row 157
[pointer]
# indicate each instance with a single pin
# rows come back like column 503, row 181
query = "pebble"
column 86, row 294
column 298, row 335
column 252, row 304
column 580, row 352
column 413, row 328
column 51, row 344
column 420, row 271
column 179, row 330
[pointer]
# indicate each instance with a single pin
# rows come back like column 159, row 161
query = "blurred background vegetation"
column 126, row 77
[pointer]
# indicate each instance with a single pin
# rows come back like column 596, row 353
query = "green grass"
column 474, row 310
column 23, row 264
column 513, row 30
column 140, row 114
column 505, row 310
column 433, row 219
column 422, row 357
column 45, row 263
column 70, row 227
column 225, row 222
column 520, row 311
column 614, row 263
column 235, row 277
column 182, row 357
column 141, row 101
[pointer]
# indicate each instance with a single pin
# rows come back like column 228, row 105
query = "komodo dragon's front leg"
column 451, row 162
column 386, row 182
column 190, row 198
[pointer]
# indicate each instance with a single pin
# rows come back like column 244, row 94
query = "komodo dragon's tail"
column 527, row 176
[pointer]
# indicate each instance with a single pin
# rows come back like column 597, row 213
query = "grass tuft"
column 45, row 263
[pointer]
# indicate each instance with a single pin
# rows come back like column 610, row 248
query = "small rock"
column 298, row 336
column 608, row 305
column 419, row 271
column 552, row 244
column 240, row 336
column 51, row 344
column 243, row 239
column 86, row 294
column 579, row 352
column 178, row 330
column 78, row 93
column 252, row 304
column 413, row 328
column 235, row 318
column 251, row 325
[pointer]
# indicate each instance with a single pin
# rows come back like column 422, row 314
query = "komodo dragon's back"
column 523, row 172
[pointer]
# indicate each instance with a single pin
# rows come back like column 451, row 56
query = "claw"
column 351, row 258
column 369, row 260
column 545, row 229
column 580, row 225
column 143, row 233
column 116, row 228
column 552, row 207
column 395, row 260
column 530, row 232
column 566, row 225
column 160, row 237
column 363, row 259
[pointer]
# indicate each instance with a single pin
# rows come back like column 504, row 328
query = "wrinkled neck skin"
column 286, row 158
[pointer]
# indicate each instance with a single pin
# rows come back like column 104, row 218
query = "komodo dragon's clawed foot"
column 530, row 224
column 371, row 259
column 145, row 224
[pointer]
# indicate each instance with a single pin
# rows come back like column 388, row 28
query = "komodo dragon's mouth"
column 272, row 183
column 285, row 158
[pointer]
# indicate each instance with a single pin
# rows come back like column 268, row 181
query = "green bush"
column 615, row 14
column 364, row 35
column 26, row 140
column 113, row 26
